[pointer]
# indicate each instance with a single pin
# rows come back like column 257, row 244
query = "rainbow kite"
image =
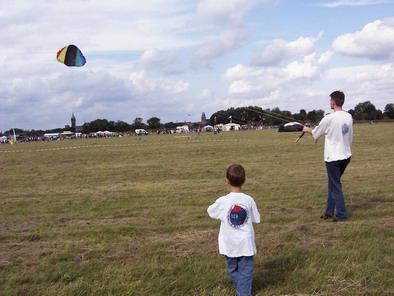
column 71, row 56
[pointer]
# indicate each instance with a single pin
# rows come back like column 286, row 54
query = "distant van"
column 141, row 132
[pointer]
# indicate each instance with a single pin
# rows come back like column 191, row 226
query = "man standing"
column 338, row 129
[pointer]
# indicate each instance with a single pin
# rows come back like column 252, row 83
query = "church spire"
column 73, row 122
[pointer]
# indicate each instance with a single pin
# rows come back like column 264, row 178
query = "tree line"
column 251, row 115
column 258, row 116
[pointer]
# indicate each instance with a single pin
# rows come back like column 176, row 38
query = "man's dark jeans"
column 336, row 200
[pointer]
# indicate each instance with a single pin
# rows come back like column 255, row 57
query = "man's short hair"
column 236, row 175
column 338, row 97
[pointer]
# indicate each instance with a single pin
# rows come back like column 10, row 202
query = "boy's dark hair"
column 236, row 175
column 338, row 97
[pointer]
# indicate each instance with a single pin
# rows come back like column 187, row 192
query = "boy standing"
column 237, row 211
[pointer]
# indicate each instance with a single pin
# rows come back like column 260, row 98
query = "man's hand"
column 307, row 129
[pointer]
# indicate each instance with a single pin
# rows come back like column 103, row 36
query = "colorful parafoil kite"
column 71, row 56
column 291, row 127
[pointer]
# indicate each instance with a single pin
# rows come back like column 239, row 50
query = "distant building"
column 73, row 123
column 203, row 118
column 74, row 127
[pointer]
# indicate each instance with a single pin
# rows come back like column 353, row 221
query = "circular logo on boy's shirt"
column 237, row 216
column 345, row 129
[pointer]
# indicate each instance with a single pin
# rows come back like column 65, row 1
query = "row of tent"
column 67, row 134
column 210, row 128
column 60, row 135
column 222, row 127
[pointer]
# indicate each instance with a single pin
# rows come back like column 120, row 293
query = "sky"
column 175, row 59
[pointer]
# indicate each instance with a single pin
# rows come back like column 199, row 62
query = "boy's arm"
column 215, row 210
column 255, row 213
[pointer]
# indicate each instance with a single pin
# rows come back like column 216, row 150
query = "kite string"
column 262, row 112
column 270, row 113
column 226, row 116
column 265, row 113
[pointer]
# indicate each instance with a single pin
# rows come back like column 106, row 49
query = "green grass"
column 127, row 216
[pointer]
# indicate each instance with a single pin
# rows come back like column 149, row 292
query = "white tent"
column 52, row 135
column 207, row 128
column 231, row 127
column 219, row 126
column 105, row 133
column 182, row 129
column 67, row 133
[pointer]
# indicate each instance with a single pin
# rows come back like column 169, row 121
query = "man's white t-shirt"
column 237, row 212
column 338, row 129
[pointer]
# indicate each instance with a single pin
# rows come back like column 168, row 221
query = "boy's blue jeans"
column 336, row 200
column 241, row 272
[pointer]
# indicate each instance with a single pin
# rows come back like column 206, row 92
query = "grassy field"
column 127, row 216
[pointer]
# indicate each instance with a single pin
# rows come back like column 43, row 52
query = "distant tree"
column 367, row 111
column 300, row 116
column 121, row 126
column 54, row 130
column 389, row 111
column 275, row 116
column 362, row 111
column 18, row 131
column 251, row 115
column 170, row 125
column 111, row 126
column 137, row 124
column 34, row 133
column 195, row 125
column 153, row 122
column 86, row 128
column 379, row 115
column 138, row 120
column 315, row 116
column 98, row 125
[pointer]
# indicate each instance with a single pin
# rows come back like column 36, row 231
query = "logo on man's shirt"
column 237, row 216
column 345, row 129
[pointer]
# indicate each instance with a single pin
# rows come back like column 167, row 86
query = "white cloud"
column 353, row 3
column 223, row 12
column 255, row 81
column 240, row 72
column 219, row 45
column 206, row 93
column 227, row 17
column 181, row 87
column 51, row 97
column 165, row 62
column 366, row 82
column 280, row 50
column 311, row 68
column 375, row 41
column 148, row 24
column 145, row 85
column 240, row 87
column 152, row 56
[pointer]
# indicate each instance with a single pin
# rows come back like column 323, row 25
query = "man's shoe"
column 325, row 217
column 336, row 220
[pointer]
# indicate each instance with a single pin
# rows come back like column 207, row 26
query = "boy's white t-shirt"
column 338, row 129
column 237, row 212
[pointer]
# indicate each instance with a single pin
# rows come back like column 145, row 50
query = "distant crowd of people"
column 60, row 137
